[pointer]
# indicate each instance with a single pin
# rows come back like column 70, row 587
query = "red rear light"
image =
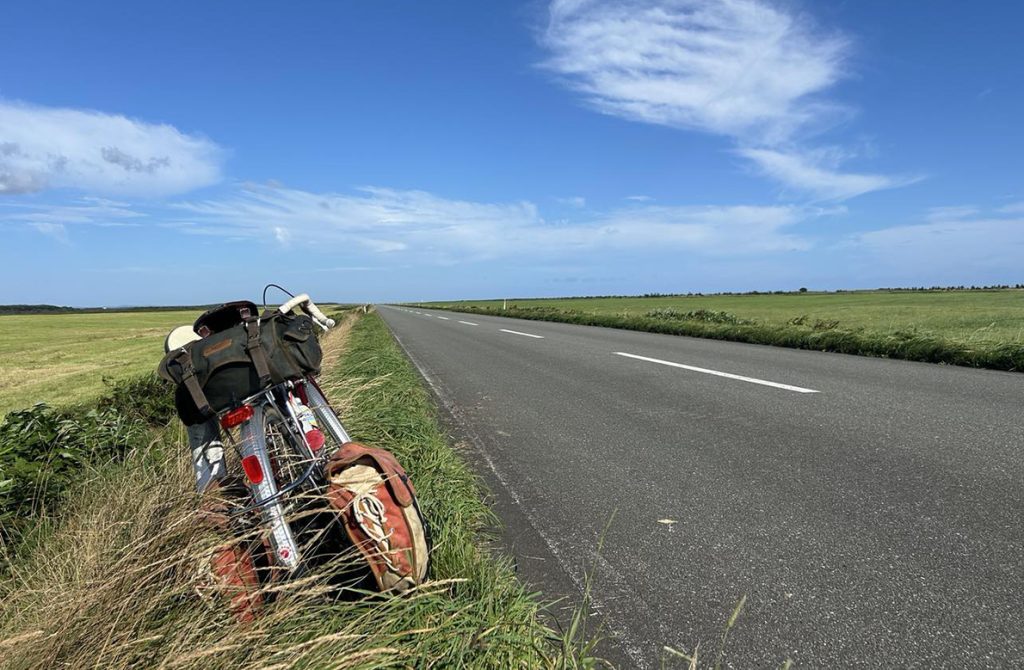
column 253, row 469
column 315, row 439
column 236, row 416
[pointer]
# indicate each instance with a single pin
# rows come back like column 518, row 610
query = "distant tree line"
column 993, row 287
column 33, row 309
column 61, row 309
column 962, row 287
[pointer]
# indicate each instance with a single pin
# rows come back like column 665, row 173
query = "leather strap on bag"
column 255, row 349
column 188, row 378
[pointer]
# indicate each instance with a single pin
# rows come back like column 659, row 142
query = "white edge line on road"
column 469, row 323
column 727, row 375
column 444, row 317
column 516, row 332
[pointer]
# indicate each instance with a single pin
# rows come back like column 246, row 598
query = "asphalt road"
column 870, row 510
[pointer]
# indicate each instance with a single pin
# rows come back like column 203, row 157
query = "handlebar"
column 309, row 307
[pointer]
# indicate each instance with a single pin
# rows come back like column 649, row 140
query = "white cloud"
column 734, row 67
column 1012, row 208
column 744, row 69
column 282, row 235
column 388, row 221
column 55, row 230
column 639, row 198
column 960, row 245
column 376, row 219
column 575, row 201
column 46, row 147
column 87, row 210
column 816, row 173
column 53, row 220
column 952, row 212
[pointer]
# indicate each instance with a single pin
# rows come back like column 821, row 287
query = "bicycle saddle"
column 225, row 316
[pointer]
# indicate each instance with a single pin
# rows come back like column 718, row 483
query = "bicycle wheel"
column 288, row 456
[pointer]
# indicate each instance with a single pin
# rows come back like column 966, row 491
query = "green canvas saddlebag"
column 220, row 370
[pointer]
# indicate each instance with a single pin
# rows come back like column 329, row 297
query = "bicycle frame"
column 268, row 494
column 253, row 442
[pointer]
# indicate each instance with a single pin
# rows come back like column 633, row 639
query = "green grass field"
column 995, row 317
column 62, row 359
column 983, row 328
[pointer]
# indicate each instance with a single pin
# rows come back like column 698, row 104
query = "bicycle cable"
column 277, row 286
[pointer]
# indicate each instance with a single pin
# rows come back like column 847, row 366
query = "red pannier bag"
column 377, row 502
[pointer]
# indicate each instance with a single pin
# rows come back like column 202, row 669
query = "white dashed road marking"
column 516, row 332
column 727, row 375
column 469, row 323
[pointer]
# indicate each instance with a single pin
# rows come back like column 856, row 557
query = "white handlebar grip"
column 315, row 312
column 293, row 303
column 309, row 308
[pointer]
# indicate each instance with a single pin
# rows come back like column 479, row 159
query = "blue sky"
column 191, row 152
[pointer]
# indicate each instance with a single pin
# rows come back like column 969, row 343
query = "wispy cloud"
column 576, row 201
column 87, row 210
column 816, row 173
column 955, row 244
column 744, row 69
column 55, row 230
column 385, row 221
column 952, row 213
column 1013, row 208
column 47, row 147
column 733, row 67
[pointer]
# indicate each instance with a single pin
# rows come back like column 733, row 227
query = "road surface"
column 869, row 509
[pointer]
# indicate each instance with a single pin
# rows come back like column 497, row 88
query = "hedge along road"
column 869, row 509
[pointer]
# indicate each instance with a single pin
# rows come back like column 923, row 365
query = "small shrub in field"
column 825, row 324
column 146, row 398
column 705, row 315
column 666, row 313
column 43, row 449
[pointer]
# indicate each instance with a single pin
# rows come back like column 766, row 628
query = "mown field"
column 69, row 358
column 978, row 328
column 63, row 359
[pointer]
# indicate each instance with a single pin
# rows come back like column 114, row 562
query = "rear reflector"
column 315, row 439
column 253, row 469
column 236, row 416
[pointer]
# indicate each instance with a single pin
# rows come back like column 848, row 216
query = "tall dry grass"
column 121, row 580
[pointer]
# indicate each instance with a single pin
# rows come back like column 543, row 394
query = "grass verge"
column 799, row 332
column 118, row 581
